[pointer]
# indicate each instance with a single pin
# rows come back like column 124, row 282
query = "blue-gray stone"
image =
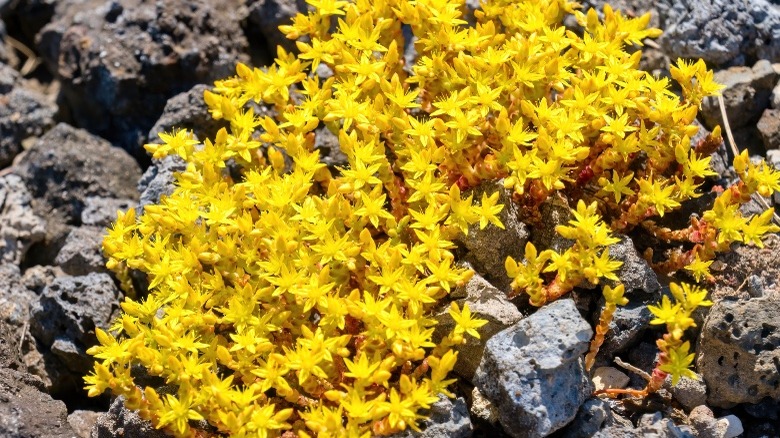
column 533, row 372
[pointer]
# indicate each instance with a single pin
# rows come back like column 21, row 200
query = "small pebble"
column 730, row 426
column 609, row 378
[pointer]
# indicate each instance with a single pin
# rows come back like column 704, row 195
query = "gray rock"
column 628, row 324
column 746, row 95
column 533, row 372
column 102, row 212
column 159, row 179
column 488, row 248
column 37, row 277
column 8, row 77
column 689, row 392
column 71, row 355
column 265, row 17
column 552, row 212
column 120, row 62
column 68, row 165
column 650, row 425
column 83, row 422
column 774, row 102
column 738, row 351
column 769, row 128
column 489, row 304
column 188, row 111
column 120, row 421
column 70, row 309
column 15, row 298
column 23, row 113
column 703, row 422
column 482, row 409
column 609, row 378
column 328, row 144
column 64, row 168
column 9, row 346
column 447, row 418
column 720, row 31
column 26, row 411
column 635, row 273
column 656, row 425
column 593, row 414
column 20, row 226
column 81, row 253
column 730, row 426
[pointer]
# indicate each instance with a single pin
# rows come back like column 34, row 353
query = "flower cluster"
column 287, row 297
column 675, row 357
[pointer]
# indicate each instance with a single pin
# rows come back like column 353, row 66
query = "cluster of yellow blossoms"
column 287, row 297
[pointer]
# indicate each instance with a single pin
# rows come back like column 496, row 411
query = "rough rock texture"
column 81, row 253
column 119, row 421
column 73, row 307
column 448, row 418
column 703, row 422
column 101, row 212
column 119, row 62
column 15, row 298
column 749, row 271
column 69, row 309
column 265, row 17
column 769, row 128
column 491, row 305
column 64, row 168
column 488, row 248
column 187, row 110
column 9, row 348
column 482, row 409
column 23, row 113
column 592, row 416
column 628, row 324
column 27, row 412
column 721, row 31
column 37, row 277
column 635, row 273
column 83, row 422
column 746, row 95
column 738, row 351
column 688, row 392
column 774, row 102
column 158, row 179
column 8, row 77
column 533, row 371
column 20, row 226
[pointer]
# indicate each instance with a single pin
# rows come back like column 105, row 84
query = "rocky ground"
column 85, row 83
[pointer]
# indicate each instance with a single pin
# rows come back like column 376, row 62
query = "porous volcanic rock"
column 739, row 351
column 63, row 169
column 120, row 62
column 533, row 372
column 120, row 421
column 24, row 113
column 20, row 226
column 27, row 412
